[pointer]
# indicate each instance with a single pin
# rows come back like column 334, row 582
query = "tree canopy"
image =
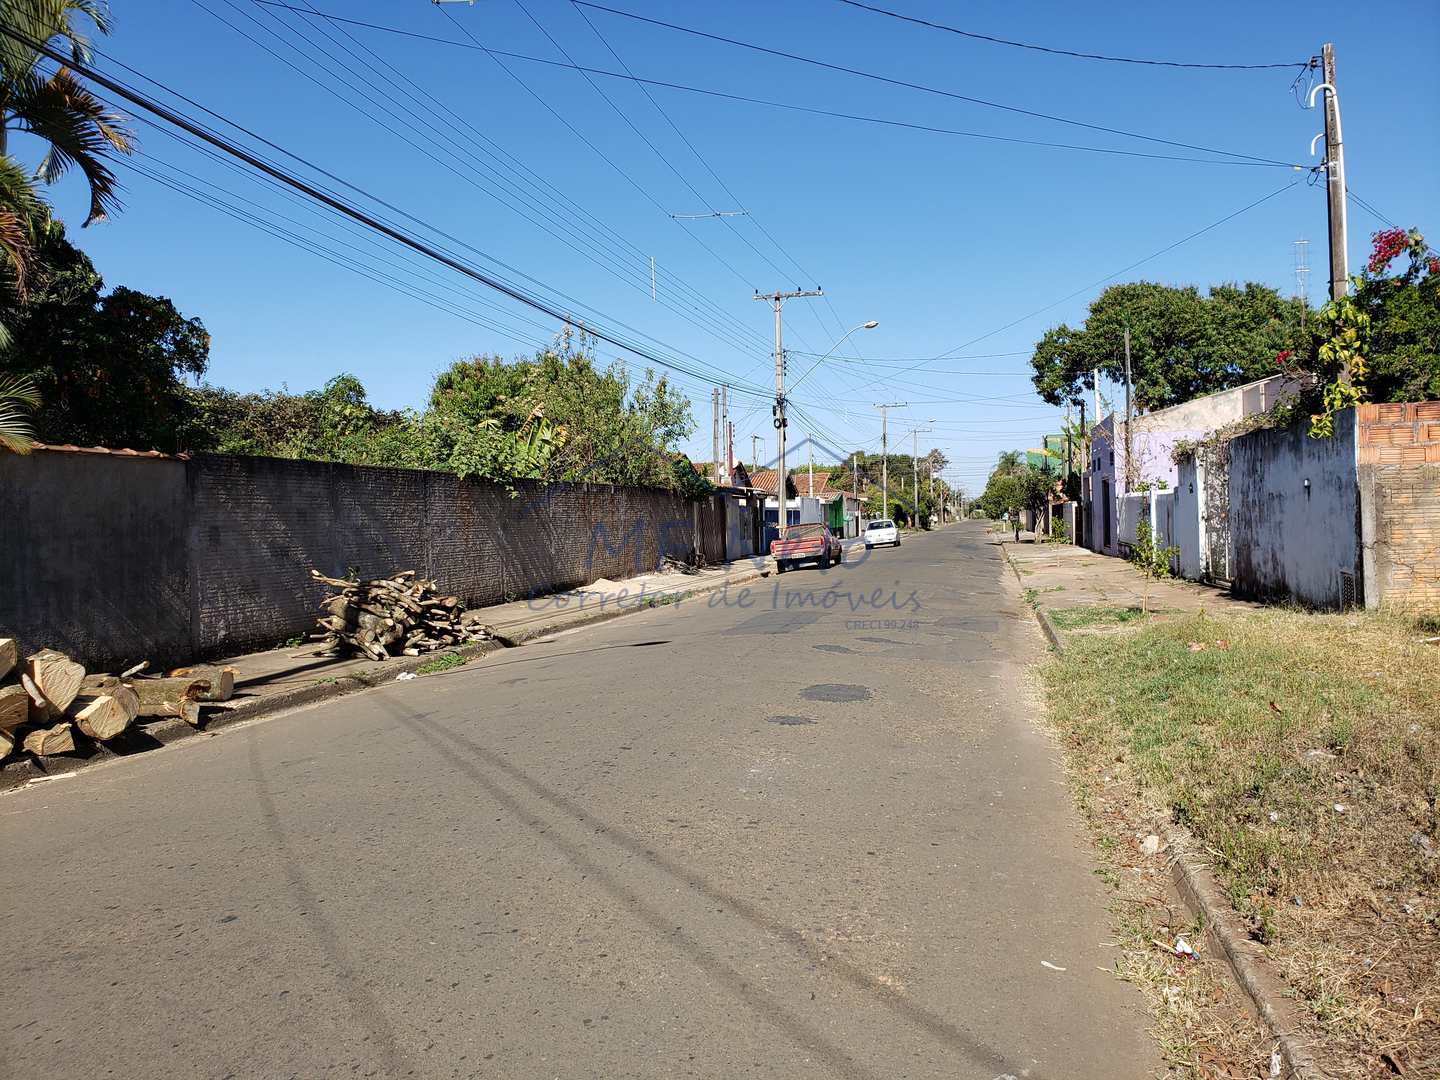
column 1183, row 343
column 109, row 367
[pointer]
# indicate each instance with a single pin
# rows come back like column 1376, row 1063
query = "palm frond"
column 18, row 397
column 20, row 209
column 81, row 130
column 44, row 21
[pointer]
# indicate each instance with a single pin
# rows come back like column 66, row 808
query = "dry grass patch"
column 1303, row 752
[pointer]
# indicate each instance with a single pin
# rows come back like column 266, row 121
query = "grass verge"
column 1078, row 618
column 1303, row 753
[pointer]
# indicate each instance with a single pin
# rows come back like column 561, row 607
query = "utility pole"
column 778, row 299
column 810, row 459
column 725, row 432
column 1130, row 478
column 1095, row 386
column 1083, row 509
column 885, row 454
column 715, row 434
column 1335, row 178
column 754, row 454
column 915, row 471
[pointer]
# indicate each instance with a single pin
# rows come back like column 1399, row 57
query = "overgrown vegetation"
column 1303, row 753
column 443, row 662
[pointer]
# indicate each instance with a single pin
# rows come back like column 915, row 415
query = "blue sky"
column 946, row 240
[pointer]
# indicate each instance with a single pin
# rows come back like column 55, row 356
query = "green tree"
column 109, row 367
column 1182, row 344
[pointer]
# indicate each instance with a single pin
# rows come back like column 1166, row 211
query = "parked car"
column 805, row 543
column 881, row 531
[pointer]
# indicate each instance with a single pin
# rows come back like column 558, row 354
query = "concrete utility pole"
column 754, row 454
column 778, row 299
column 1335, row 176
column 715, row 435
column 810, row 460
column 915, row 471
column 1130, row 478
column 725, row 433
column 885, row 454
column 1095, row 386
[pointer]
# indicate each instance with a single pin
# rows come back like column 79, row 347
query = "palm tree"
column 80, row 129
column 1009, row 462
column 17, row 397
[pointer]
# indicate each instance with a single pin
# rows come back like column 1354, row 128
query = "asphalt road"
column 771, row 836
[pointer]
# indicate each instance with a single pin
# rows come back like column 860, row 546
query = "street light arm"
column 863, row 326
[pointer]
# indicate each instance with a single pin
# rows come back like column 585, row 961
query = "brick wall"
column 1399, row 462
column 114, row 557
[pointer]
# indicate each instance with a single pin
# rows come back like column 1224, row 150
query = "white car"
column 882, row 531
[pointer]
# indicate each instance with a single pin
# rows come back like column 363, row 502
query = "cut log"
column 7, row 743
column 9, row 657
column 221, row 680
column 52, row 740
column 14, row 707
column 179, row 696
column 103, row 716
column 56, row 676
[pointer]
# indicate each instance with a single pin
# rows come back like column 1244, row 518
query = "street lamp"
column 871, row 325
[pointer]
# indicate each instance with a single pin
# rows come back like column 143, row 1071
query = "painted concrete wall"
column 1294, row 514
column 112, row 557
column 92, row 554
column 1154, row 435
column 1186, row 531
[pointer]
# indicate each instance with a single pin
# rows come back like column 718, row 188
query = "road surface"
column 806, row 831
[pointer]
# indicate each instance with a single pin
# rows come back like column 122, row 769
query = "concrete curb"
column 1207, row 902
column 15, row 775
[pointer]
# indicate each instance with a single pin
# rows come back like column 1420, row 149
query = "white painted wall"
column 1188, row 534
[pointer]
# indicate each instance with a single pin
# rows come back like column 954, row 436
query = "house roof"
column 821, row 489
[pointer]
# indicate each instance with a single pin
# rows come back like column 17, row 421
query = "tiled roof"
column 68, row 449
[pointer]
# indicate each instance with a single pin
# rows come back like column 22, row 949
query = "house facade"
column 1112, row 477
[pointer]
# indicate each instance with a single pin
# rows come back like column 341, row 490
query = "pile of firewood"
column 400, row 615
column 47, row 697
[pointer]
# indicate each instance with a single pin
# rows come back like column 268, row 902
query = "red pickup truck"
column 805, row 543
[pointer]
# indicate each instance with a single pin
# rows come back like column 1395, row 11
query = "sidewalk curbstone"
column 1206, row 901
column 16, row 774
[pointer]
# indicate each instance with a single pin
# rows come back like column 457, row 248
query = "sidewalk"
column 285, row 678
column 1073, row 588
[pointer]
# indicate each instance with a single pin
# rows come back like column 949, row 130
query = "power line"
column 420, row 128
column 342, row 207
column 859, row 73
column 790, row 106
column 1100, row 281
column 330, row 197
column 705, row 164
column 1067, row 52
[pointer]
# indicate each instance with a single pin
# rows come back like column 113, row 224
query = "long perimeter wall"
column 115, row 557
